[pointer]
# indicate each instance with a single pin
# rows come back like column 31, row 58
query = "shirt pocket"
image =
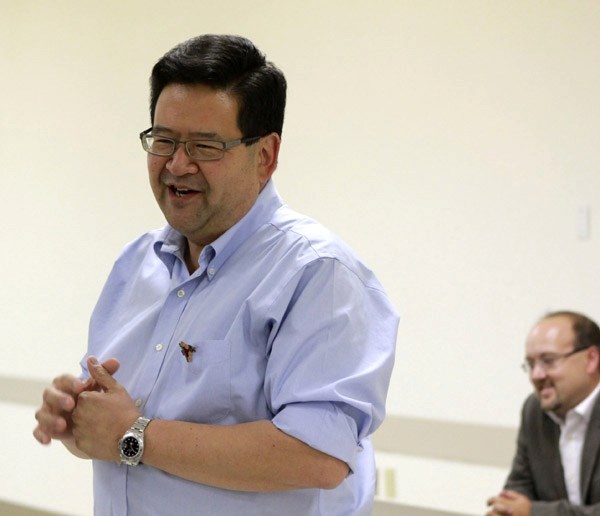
column 199, row 387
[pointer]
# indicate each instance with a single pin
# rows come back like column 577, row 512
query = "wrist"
column 131, row 445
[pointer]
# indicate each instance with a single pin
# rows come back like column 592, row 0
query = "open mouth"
column 181, row 192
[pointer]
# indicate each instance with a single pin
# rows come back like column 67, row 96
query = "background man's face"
column 567, row 381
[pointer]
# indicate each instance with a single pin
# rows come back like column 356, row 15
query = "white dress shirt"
column 572, row 436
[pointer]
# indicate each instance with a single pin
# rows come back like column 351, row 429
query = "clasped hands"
column 92, row 415
column 509, row 503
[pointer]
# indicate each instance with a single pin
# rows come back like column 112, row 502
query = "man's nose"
column 537, row 371
column 180, row 163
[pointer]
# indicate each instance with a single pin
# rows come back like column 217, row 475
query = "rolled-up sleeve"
column 331, row 358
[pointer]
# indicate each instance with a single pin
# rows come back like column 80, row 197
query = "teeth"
column 180, row 192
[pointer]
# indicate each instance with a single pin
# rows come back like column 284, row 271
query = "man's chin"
column 548, row 405
column 547, row 398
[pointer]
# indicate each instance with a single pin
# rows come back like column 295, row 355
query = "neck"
column 192, row 256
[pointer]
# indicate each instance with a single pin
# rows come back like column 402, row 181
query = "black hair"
column 232, row 64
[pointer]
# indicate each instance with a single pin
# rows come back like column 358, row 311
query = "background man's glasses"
column 548, row 362
column 202, row 150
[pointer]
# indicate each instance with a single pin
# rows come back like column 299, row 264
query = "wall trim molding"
column 23, row 510
column 22, row 391
column 446, row 440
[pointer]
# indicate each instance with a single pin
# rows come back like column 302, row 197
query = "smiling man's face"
column 203, row 199
column 569, row 378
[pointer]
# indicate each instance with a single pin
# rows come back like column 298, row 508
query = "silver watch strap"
column 140, row 424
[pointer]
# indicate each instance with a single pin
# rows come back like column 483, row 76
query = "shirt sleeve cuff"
column 323, row 426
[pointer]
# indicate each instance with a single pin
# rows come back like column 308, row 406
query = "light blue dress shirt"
column 288, row 326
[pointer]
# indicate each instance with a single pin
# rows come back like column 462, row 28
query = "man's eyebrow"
column 203, row 134
column 193, row 134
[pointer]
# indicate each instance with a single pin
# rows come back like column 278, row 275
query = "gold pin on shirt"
column 187, row 350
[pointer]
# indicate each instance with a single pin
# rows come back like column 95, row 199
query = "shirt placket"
column 161, row 342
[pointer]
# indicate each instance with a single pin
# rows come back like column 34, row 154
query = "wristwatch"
column 131, row 445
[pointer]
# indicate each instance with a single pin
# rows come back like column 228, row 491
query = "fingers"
column 59, row 400
column 111, row 365
column 100, row 374
column 41, row 436
column 57, row 405
column 497, row 508
column 493, row 512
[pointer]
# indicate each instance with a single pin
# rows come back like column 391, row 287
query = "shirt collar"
column 171, row 245
column 583, row 409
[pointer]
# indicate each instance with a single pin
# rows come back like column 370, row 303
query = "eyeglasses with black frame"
column 548, row 362
column 201, row 150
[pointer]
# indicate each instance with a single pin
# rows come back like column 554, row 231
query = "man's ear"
column 267, row 155
column 593, row 359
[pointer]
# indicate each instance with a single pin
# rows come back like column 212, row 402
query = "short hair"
column 587, row 332
column 232, row 64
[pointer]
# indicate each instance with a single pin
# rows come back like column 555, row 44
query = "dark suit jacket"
column 537, row 470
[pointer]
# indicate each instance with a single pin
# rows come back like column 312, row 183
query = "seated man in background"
column 556, row 468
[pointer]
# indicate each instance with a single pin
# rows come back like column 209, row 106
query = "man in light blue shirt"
column 239, row 358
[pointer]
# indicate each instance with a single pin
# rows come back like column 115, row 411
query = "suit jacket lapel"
column 591, row 446
column 551, row 436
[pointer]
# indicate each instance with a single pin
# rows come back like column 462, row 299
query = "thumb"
column 101, row 376
column 111, row 365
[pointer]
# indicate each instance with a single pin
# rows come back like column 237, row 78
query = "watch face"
column 130, row 446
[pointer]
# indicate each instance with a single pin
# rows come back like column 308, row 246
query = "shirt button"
column 180, row 293
column 211, row 271
column 158, row 347
column 138, row 403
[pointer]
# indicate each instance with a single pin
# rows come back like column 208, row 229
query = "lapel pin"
column 187, row 350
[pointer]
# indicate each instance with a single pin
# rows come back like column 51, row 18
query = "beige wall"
column 453, row 144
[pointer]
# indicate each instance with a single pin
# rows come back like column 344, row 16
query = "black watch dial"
column 130, row 447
